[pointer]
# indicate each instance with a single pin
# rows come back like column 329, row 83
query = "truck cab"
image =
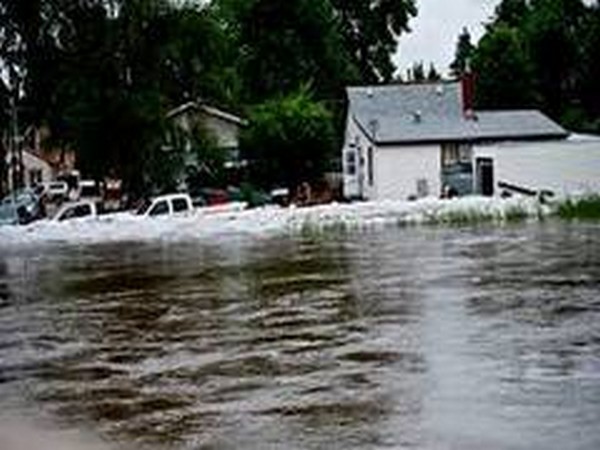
column 166, row 205
column 77, row 211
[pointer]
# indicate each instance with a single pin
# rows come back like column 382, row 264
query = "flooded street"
column 420, row 338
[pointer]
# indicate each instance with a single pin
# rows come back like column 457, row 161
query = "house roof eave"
column 475, row 140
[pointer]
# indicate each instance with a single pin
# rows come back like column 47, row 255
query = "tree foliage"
column 433, row 74
column 543, row 53
column 289, row 141
column 504, row 74
column 284, row 45
column 371, row 30
column 463, row 55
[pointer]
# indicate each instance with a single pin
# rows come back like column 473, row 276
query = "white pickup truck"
column 181, row 204
column 82, row 210
column 166, row 205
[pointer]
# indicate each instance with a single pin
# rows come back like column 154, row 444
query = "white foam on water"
column 260, row 221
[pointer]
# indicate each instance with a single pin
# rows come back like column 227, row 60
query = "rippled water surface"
column 480, row 338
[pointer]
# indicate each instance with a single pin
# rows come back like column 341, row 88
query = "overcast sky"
column 436, row 29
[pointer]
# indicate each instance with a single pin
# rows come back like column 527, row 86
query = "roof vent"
column 417, row 116
column 370, row 92
column 439, row 90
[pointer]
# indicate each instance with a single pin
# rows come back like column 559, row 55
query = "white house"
column 415, row 140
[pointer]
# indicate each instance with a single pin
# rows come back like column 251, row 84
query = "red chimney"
column 468, row 92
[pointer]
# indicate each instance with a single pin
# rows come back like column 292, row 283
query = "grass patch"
column 515, row 214
column 587, row 208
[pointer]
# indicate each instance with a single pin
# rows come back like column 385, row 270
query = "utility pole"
column 16, row 153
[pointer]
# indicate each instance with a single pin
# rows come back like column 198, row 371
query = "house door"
column 485, row 176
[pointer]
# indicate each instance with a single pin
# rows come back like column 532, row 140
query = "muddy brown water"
column 421, row 338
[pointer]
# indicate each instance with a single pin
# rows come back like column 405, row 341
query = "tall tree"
column 463, row 54
column 290, row 141
column 550, row 48
column 285, row 45
column 589, row 69
column 371, row 30
column 433, row 74
column 504, row 73
column 511, row 12
column 552, row 33
column 417, row 72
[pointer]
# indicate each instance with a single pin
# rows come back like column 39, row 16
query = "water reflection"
column 419, row 338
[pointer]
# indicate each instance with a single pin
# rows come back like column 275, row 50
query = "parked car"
column 27, row 205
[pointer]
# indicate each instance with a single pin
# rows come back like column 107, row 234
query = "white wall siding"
column 398, row 170
column 561, row 166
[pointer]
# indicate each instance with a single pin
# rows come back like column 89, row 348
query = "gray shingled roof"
column 420, row 113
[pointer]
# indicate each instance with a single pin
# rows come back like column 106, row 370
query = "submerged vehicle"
column 82, row 210
column 182, row 205
column 166, row 205
column 21, row 207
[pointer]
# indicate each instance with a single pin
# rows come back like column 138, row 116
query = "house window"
column 351, row 163
column 457, row 168
column 455, row 153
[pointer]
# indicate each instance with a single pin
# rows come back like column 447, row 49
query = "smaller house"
column 418, row 140
column 36, row 170
column 221, row 127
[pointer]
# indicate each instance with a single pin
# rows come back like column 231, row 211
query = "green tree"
column 433, row 74
column 284, row 45
column 511, row 12
column 463, row 54
column 557, row 50
column 417, row 73
column 290, row 140
column 588, row 71
column 371, row 30
column 504, row 73
column 552, row 33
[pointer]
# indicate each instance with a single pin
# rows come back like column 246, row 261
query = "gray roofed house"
column 422, row 113
column 416, row 140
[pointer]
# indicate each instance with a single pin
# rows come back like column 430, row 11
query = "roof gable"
column 205, row 109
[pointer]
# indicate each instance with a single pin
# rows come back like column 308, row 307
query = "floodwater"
column 418, row 338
